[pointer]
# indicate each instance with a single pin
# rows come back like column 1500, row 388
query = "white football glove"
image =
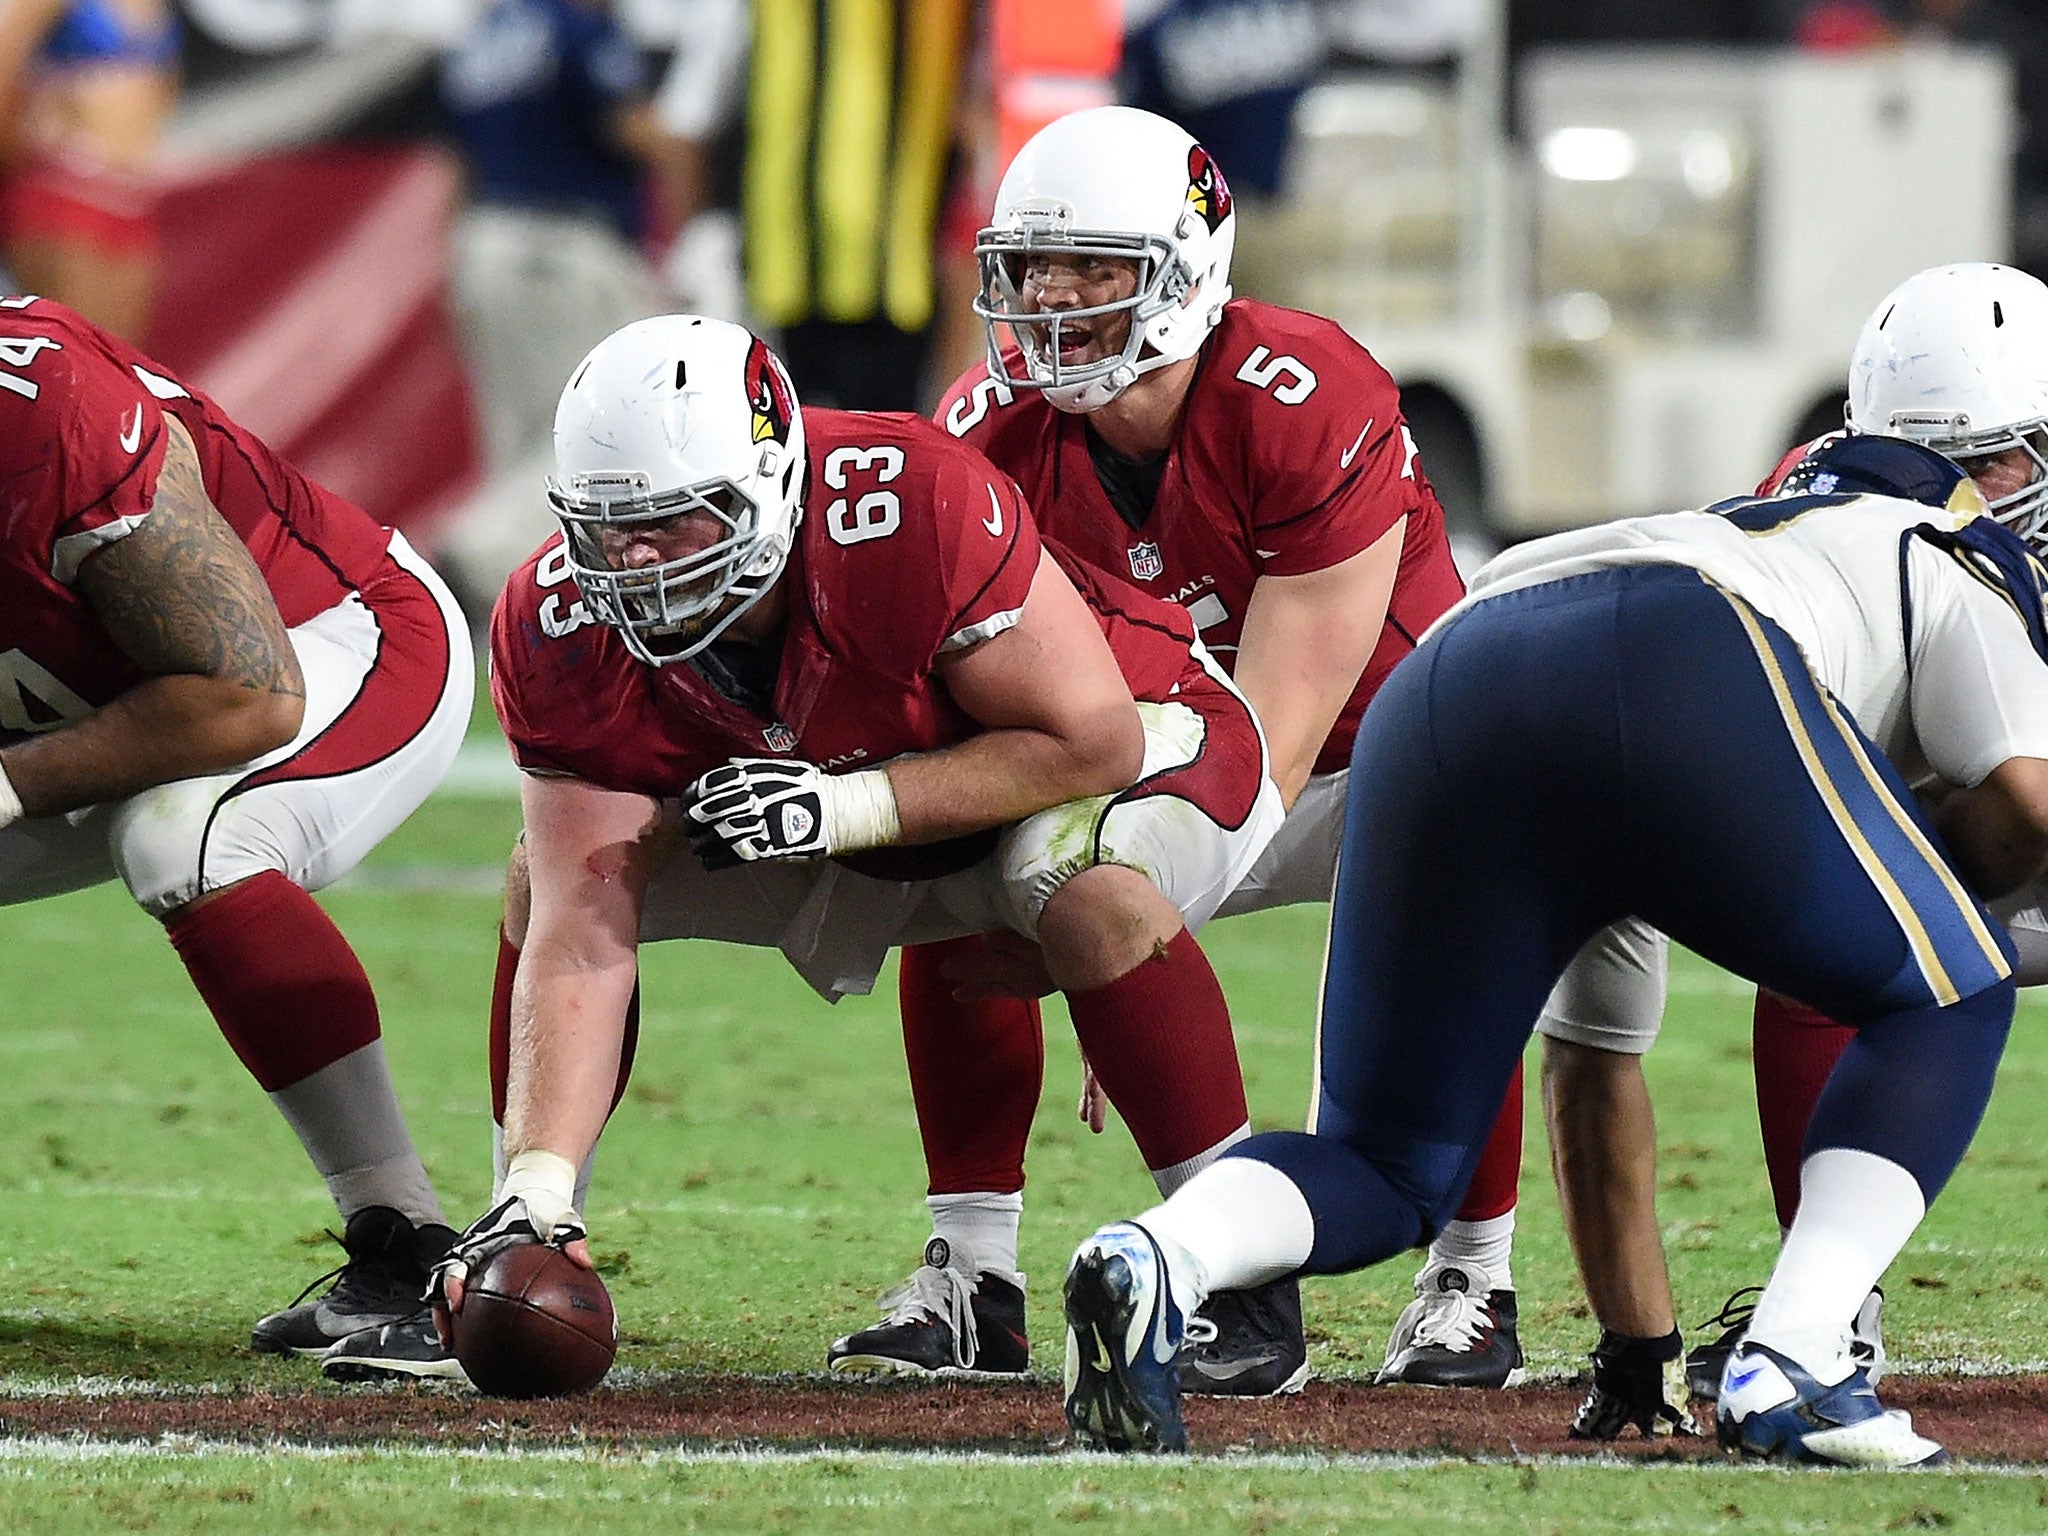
column 778, row 808
column 536, row 1205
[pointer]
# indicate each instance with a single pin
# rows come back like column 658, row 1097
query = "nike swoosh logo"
column 1352, row 452
column 1102, row 1355
column 131, row 432
column 1737, row 1382
column 994, row 521
column 1230, row 1369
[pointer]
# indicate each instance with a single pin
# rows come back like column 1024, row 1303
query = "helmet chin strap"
column 1078, row 399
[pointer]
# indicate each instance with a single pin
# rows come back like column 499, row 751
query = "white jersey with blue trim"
column 1965, row 694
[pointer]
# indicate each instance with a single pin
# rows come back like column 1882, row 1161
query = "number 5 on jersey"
column 1262, row 370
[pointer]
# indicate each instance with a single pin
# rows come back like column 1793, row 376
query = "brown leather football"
column 534, row 1323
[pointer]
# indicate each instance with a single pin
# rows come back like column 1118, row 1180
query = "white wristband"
column 10, row 802
column 546, row 1183
column 860, row 811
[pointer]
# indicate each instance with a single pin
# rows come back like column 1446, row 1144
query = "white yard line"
column 35, row 1450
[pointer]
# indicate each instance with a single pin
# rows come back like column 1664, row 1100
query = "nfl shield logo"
column 1145, row 562
column 779, row 738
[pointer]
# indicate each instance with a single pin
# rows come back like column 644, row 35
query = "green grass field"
column 762, row 1183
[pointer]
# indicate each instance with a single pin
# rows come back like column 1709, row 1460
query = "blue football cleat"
column 1771, row 1409
column 1123, row 1343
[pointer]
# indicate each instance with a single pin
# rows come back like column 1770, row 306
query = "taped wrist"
column 859, row 810
column 546, row 1183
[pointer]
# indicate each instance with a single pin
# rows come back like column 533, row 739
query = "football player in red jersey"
column 223, row 685
column 829, row 649
column 1250, row 463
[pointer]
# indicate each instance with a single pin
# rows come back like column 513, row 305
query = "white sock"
column 1239, row 1224
column 1170, row 1179
column 1856, row 1211
column 981, row 1229
column 1485, row 1245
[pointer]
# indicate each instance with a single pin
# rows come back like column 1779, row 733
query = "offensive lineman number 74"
column 20, row 351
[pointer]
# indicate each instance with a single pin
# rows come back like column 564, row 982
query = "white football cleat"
column 1770, row 1408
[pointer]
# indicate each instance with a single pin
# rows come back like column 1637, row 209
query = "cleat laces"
column 1737, row 1310
column 937, row 1296
column 1456, row 1320
column 336, row 1272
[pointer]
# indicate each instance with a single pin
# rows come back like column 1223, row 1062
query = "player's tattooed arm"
column 181, row 597
column 181, row 594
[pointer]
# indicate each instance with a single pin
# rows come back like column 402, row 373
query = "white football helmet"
column 1956, row 357
column 1109, row 181
column 668, row 416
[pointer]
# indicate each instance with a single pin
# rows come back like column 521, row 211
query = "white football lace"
column 937, row 1295
column 1454, row 1319
column 1201, row 1329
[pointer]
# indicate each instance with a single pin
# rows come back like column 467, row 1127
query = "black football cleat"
column 1246, row 1344
column 408, row 1350
column 383, row 1281
column 1456, row 1333
column 942, row 1321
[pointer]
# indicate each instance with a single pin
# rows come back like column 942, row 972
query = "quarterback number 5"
column 1262, row 368
column 968, row 410
column 875, row 515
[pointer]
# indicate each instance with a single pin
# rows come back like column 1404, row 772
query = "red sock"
column 1496, row 1181
column 1159, row 1040
column 501, row 1030
column 975, row 1073
column 280, row 980
column 1795, row 1048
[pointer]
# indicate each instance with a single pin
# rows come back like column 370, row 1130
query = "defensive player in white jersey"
column 1708, row 720
column 1956, row 357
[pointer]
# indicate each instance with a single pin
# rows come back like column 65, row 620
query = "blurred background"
column 1616, row 251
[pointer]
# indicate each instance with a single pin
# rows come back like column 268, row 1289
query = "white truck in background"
column 1642, row 301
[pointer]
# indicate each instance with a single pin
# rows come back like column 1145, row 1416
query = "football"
column 534, row 1323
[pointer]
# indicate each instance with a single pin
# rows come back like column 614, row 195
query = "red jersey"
column 1291, row 456
column 911, row 545
column 82, row 439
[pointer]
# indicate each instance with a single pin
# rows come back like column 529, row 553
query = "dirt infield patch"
column 1990, row 1419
